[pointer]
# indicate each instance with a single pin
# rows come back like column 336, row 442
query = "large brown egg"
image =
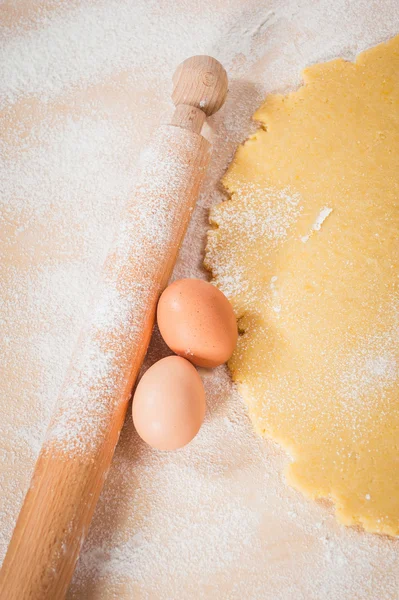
column 169, row 404
column 197, row 321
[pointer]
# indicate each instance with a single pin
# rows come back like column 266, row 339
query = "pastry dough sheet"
column 307, row 251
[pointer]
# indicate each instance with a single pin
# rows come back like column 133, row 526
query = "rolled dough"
column 307, row 251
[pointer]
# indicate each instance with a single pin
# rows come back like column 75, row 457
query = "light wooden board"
column 215, row 520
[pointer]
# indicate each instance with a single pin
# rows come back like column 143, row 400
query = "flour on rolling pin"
column 97, row 377
column 91, row 407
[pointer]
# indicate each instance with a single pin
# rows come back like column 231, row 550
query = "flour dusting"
column 83, row 84
column 104, row 362
column 322, row 216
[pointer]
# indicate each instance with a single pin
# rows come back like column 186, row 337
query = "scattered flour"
column 83, row 84
column 104, row 360
column 324, row 213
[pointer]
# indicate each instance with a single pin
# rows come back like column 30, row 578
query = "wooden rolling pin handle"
column 188, row 117
column 200, row 81
column 67, row 481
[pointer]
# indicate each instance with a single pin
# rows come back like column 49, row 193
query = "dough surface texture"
column 307, row 251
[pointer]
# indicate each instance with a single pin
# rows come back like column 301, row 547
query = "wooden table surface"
column 82, row 86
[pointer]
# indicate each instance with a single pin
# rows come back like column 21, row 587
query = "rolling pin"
column 90, row 411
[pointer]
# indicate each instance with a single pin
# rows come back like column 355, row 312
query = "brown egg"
column 197, row 321
column 169, row 404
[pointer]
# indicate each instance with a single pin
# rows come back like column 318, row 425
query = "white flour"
column 82, row 86
column 123, row 301
column 321, row 217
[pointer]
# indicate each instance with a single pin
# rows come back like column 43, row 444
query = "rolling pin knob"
column 200, row 87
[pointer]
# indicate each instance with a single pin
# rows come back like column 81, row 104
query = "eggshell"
column 197, row 321
column 169, row 404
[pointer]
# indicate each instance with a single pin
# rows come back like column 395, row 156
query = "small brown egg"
column 169, row 404
column 197, row 321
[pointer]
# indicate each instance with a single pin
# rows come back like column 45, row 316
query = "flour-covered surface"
column 82, row 86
